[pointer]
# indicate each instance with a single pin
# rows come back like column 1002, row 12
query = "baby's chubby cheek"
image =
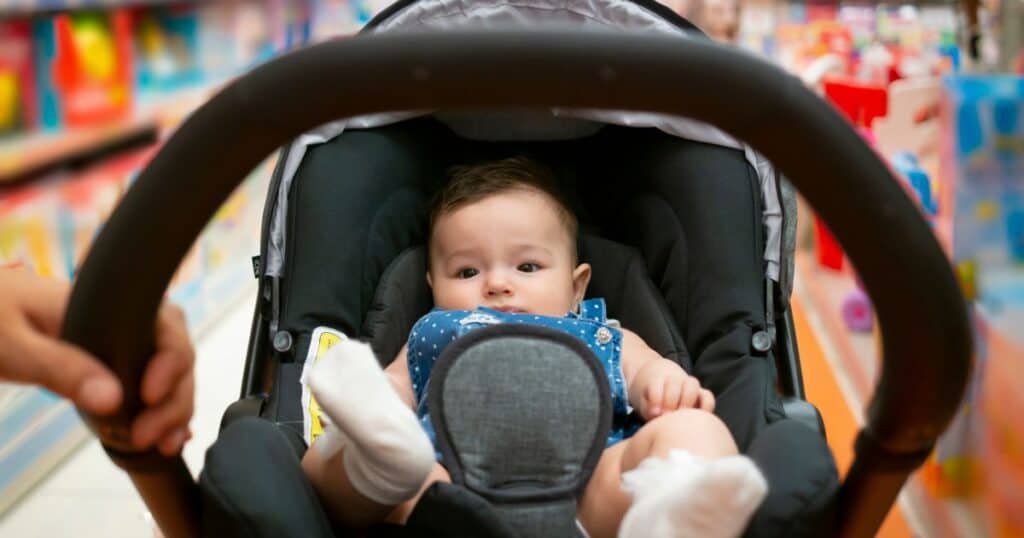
column 451, row 297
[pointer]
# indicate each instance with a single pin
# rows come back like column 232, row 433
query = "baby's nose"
column 497, row 285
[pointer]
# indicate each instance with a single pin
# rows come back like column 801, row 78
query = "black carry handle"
column 926, row 339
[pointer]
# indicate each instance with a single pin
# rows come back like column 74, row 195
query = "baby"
column 503, row 242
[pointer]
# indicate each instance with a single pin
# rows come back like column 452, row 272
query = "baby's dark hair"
column 471, row 183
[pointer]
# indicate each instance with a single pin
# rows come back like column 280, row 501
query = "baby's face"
column 510, row 252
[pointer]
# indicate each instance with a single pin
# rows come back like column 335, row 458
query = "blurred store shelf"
column 29, row 156
column 28, row 7
column 32, row 155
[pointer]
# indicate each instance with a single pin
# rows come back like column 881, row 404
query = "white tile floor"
column 89, row 496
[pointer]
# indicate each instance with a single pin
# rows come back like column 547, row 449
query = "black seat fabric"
column 252, row 485
column 693, row 210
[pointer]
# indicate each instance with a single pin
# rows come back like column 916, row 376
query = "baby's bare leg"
column 401, row 513
column 345, row 505
column 604, row 502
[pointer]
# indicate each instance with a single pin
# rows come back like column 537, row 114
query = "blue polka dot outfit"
column 434, row 331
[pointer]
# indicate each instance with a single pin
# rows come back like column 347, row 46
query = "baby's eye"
column 529, row 267
column 468, row 272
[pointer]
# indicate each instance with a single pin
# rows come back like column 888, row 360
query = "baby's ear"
column 580, row 281
column 429, row 282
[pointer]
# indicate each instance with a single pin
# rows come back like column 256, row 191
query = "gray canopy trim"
column 557, row 123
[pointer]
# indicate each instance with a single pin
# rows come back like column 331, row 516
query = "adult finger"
column 172, row 329
column 42, row 300
column 62, row 368
column 691, row 392
column 156, row 422
column 174, row 355
column 164, row 372
column 172, row 443
column 707, row 400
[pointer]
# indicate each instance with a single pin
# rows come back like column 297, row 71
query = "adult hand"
column 31, row 311
column 663, row 386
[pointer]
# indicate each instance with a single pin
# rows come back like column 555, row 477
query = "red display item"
column 861, row 104
column 86, row 59
column 18, row 110
column 826, row 247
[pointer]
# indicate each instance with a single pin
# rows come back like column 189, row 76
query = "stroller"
column 690, row 234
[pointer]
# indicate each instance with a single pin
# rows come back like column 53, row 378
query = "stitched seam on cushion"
column 377, row 304
column 650, row 288
column 374, row 220
column 686, row 256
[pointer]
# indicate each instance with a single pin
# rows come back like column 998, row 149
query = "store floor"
column 88, row 496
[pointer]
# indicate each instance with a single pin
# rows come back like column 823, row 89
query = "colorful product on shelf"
column 857, row 311
column 911, row 124
column 860, row 102
column 253, row 25
column 908, row 168
column 333, row 18
column 18, row 111
column 166, row 49
column 84, row 65
column 826, row 247
column 876, row 44
column 984, row 158
column 292, row 23
column 800, row 44
column 235, row 35
column 28, row 228
column 982, row 456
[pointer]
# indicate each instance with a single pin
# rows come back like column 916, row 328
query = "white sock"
column 387, row 455
column 685, row 495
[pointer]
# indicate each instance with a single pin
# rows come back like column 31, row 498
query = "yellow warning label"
column 322, row 340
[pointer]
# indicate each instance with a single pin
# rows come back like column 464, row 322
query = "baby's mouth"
column 506, row 308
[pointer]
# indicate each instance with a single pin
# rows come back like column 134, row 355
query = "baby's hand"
column 662, row 386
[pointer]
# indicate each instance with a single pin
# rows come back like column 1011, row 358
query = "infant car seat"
column 681, row 223
column 689, row 219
